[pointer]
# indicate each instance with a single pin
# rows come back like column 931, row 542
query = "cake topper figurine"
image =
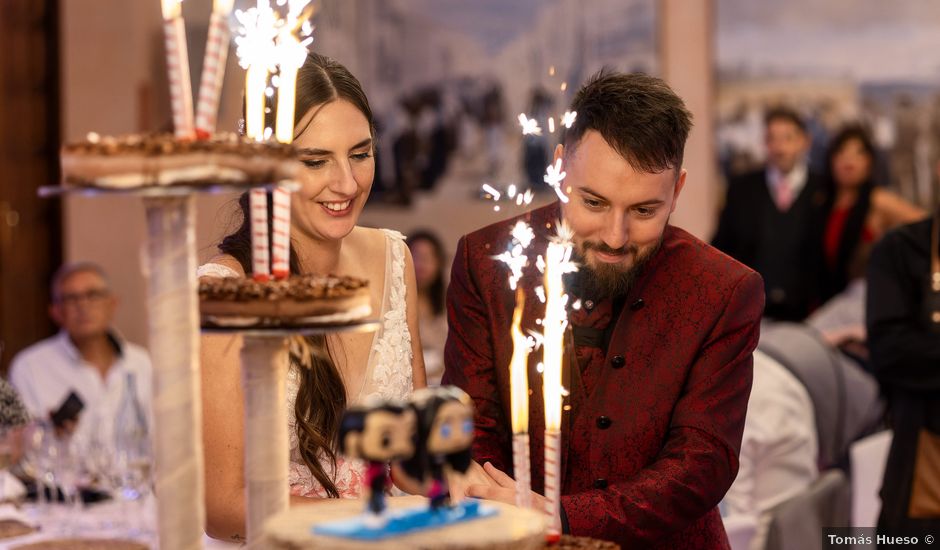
column 377, row 432
column 426, row 440
column 444, row 440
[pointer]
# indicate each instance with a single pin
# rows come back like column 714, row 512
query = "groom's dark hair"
column 638, row 115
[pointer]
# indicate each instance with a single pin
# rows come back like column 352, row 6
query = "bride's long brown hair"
column 321, row 397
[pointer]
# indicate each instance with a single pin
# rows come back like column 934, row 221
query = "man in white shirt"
column 86, row 357
column 778, row 450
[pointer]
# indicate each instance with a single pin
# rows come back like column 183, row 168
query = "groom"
column 659, row 354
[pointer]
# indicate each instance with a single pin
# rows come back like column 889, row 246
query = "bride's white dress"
column 388, row 373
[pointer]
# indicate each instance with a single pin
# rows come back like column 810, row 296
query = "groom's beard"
column 601, row 280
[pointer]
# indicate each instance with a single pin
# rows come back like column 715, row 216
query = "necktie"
column 784, row 196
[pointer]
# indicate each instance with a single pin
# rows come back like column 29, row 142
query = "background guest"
column 903, row 318
column 858, row 212
column 86, row 357
column 429, row 260
column 770, row 218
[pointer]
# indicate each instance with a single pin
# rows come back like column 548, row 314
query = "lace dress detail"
column 388, row 375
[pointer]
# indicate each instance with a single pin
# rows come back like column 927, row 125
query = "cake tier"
column 132, row 161
column 302, row 299
column 513, row 528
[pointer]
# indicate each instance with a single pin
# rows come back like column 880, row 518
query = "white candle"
column 213, row 68
column 177, row 64
column 258, row 210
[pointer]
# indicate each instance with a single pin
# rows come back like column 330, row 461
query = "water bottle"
column 132, row 443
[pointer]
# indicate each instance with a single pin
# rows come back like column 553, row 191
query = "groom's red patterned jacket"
column 651, row 450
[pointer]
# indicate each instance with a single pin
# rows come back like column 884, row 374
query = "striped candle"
column 177, row 65
column 213, row 69
column 280, row 238
column 258, row 209
column 553, row 482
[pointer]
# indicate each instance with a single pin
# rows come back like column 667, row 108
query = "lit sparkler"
column 257, row 53
column 557, row 262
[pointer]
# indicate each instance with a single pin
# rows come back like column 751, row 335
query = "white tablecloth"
column 103, row 520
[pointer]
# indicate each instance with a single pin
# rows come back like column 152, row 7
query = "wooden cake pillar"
column 170, row 267
column 264, row 376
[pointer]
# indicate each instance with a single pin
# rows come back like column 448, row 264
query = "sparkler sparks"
column 530, row 126
column 256, row 33
column 492, row 191
column 515, row 257
column 568, row 118
column 553, row 177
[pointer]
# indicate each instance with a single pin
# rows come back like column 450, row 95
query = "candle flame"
column 518, row 370
column 171, row 8
column 223, row 7
column 291, row 54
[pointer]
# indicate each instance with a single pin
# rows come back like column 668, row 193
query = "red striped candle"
column 213, row 69
column 280, row 238
column 258, row 209
column 553, row 483
column 522, row 469
column 177, row 65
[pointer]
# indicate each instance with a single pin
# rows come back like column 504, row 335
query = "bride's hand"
column 475, row 475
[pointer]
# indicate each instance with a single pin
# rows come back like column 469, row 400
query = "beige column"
column 687, row 62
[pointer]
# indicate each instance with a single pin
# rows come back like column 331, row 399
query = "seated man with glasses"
column 86, row 358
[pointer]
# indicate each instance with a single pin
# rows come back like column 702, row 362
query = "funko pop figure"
column 378, row 432
column 443, row 440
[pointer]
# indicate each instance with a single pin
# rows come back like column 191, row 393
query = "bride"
column 335, row 134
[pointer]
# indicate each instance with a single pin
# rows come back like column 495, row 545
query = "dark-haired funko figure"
column 444, row 439
column 378, row 432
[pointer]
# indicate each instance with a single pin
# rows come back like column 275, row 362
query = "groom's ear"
column 559, row 153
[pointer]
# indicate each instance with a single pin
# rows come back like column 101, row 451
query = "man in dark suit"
column 772, row 218
column 658, row 364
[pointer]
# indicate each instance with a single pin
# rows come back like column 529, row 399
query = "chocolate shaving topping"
column 297, row 287
column 168, row 144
